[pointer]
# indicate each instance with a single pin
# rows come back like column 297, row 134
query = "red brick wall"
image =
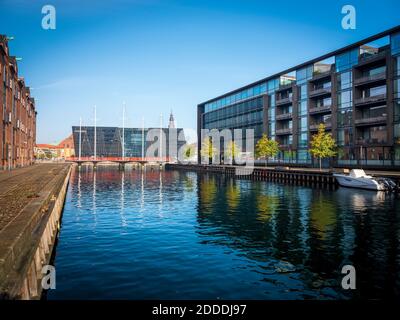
column 18, row 136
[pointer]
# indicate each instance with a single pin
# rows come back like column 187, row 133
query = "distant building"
column 109, row 141
column 45, row 151
column 17, row 114
column 66, row 147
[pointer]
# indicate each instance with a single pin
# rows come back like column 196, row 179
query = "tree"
column 323, row 145
column 266, row 148
column 208, row 150
column 232, row 150
column 189, row 152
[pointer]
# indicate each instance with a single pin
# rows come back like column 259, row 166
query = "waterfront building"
column 65, row 149
column 109, row 141
column 354, row 91
column 17, row 114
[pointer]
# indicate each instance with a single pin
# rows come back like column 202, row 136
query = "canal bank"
column 303, row 176
column 31, row 203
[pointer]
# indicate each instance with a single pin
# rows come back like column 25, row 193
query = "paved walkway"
column 20, row 186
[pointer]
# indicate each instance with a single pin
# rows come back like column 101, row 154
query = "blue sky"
column 160, row 55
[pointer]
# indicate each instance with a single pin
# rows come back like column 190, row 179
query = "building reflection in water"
column 312, row 232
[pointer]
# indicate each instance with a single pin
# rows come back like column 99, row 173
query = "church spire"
column 171, row 124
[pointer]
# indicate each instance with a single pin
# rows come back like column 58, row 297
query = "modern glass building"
column 109, row 141
column 354, row 91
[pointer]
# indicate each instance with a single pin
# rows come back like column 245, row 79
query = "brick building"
column 17, row 114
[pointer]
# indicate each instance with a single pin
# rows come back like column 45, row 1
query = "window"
column 304, row 74
column 303, row 108
column 397, row 132
column 303, row 124
column 272, row 85
column 346, row 60
column 344, row 136
column 395, row 43
column 344, row 117
column 397, row 88
column 397, row 111
column 344, row 80
column 345, row 99
column 303, row 141
column 397, row 66
column 376, row 91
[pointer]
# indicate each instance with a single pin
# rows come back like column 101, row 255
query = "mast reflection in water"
column 183, row 235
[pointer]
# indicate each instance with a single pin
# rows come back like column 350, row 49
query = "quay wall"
column 294, row 176
column 27, row 242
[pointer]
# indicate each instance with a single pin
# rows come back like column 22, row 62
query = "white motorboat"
column 359, row 179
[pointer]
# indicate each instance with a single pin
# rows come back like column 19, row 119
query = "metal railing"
column 284, row 101
column 283, row 131
column 284, row 116
column 372, row 99
column 320, row 91
column 320, row 109
column 371, row 120
column 370, row 78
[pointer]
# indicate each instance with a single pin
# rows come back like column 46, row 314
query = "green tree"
column 232, row 150
column 266, row 148
column 208, row 150
column 189, row 152
column 323, row 145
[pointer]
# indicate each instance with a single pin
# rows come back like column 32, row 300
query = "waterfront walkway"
column 31, row 200
column 20, row 186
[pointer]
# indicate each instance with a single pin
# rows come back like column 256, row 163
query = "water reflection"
column 139, row 234
column 313, row 232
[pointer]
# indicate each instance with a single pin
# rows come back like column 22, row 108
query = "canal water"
column 184, row 235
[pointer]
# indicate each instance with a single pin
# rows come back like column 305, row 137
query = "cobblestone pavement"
column 20, row 186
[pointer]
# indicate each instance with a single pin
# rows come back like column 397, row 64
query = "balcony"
column 365, row 59
column 369, row 142
column 314, row 127
column 284, row 116
column 283, row 101
column 320, row 110
column 284, row 87
column 370, row 121
column 283, row 132
column 370, row 100
column 321, row 75
column 320, row 92
column 371, row 79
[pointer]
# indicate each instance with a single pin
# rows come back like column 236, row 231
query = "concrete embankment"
column 289, row 175
column 31, row 203
column 309, row 176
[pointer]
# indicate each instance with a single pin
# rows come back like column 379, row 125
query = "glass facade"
column 344, row 64
column 234, row 98
column 303, row 75
column 109, row 141
column 395, row 43
column 349, row 83
column 347, row 60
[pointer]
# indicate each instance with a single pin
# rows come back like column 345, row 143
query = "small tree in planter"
column 208, row 150
column 266, row 148
column 232, row 151
column 323, row 145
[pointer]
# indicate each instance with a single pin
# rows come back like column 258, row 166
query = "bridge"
column 120, row 160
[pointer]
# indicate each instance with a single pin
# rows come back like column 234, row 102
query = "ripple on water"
column 182, row 235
